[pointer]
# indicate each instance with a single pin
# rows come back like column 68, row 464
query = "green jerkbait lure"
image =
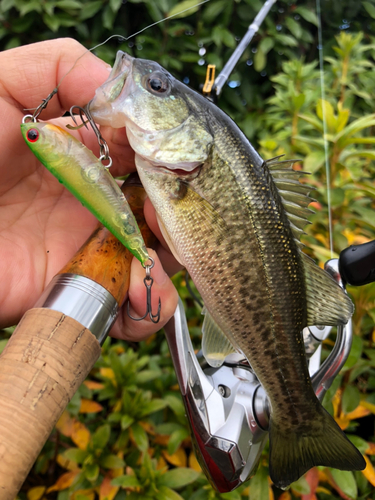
column 84, row 175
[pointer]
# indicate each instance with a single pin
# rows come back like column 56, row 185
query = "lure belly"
column 84, row 175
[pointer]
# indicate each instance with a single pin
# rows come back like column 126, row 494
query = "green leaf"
column 69, row 4
column 180, row 11
column 356, row 126
column 359, row 443
column 212, row 10
column 111, row 462
column 90, row 9
column 178, row 478
column 30, row 6
column 115, row 4
column 108, row 16
column 231, row 495
column 355, row 352
column 140, row 436
column 101, row 437
column 324, row 110
column 345, row 481
column 287, row 40
column 351, row 398
column 91, row 472
column 51, row 21
column 307, row 14
column 317, row 124
column 7, row 5
column 259, row 484
column 3, row 344
column 76, row 455
column 176, row 439
column 314, row 161
column 266, row 44
column 337, row 197
column 165, row 493
column 370, row 8
column 146, row 376
column 301, row 486
column 126, row 421
column 366, row 214
column 175, row 404
column 153, row 406
column 126, row 481
column 294, row 27
column 260, row 60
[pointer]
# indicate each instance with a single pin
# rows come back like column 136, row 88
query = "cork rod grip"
column 50, row 354
column 47, row 358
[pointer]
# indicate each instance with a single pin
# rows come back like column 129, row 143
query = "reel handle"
column 57, row 343
column 357, row 264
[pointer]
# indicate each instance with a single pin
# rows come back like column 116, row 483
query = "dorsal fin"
column 294, row 195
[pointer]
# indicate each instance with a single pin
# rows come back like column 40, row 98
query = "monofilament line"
column 126, row 38
column 122, row 38
column 325, row 142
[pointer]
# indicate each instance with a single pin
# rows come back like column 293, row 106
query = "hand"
column 41, row 224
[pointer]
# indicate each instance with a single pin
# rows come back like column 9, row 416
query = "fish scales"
column 262, row 250
column 224, row 218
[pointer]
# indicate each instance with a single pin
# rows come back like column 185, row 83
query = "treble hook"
column 148, row 281
column 104, row 149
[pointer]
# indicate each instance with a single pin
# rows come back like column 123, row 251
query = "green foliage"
column 124, row 435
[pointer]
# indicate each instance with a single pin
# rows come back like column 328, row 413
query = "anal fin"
column 215, row 345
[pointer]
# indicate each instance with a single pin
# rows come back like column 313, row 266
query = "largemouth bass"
column 234, row 221
column 88, row 180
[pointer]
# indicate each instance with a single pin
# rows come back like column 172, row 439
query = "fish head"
column 163, row 123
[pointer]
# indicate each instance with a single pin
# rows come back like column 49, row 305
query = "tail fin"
column 321, row 443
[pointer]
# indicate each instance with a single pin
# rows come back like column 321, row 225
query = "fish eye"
column 157, row 84
column 32, row 135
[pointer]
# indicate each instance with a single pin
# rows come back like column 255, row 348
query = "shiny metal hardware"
column 83, row 300
column 228, row 409
column 219, row 403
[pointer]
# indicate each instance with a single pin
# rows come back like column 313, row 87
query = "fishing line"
column 325, row 142
column 122, row 38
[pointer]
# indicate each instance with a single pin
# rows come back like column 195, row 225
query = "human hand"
column 41, row 224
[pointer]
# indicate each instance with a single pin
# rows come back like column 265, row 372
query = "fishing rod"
column 58, row 341
column 216, row 85
column 241, row 47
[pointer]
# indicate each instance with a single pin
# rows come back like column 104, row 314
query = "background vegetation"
column 124, row 435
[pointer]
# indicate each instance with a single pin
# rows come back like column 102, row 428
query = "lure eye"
column 157, row 84
column 32, row 135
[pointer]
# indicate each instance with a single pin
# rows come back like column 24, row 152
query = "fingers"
column 162, row 288
column 30, row 73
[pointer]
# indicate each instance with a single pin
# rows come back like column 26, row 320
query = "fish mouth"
column 100, row 107
column 176, row 170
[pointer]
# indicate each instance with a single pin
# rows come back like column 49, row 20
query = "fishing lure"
column 85, row 176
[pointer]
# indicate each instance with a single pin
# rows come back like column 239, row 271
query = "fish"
column 84, row 175
column 234, row 222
